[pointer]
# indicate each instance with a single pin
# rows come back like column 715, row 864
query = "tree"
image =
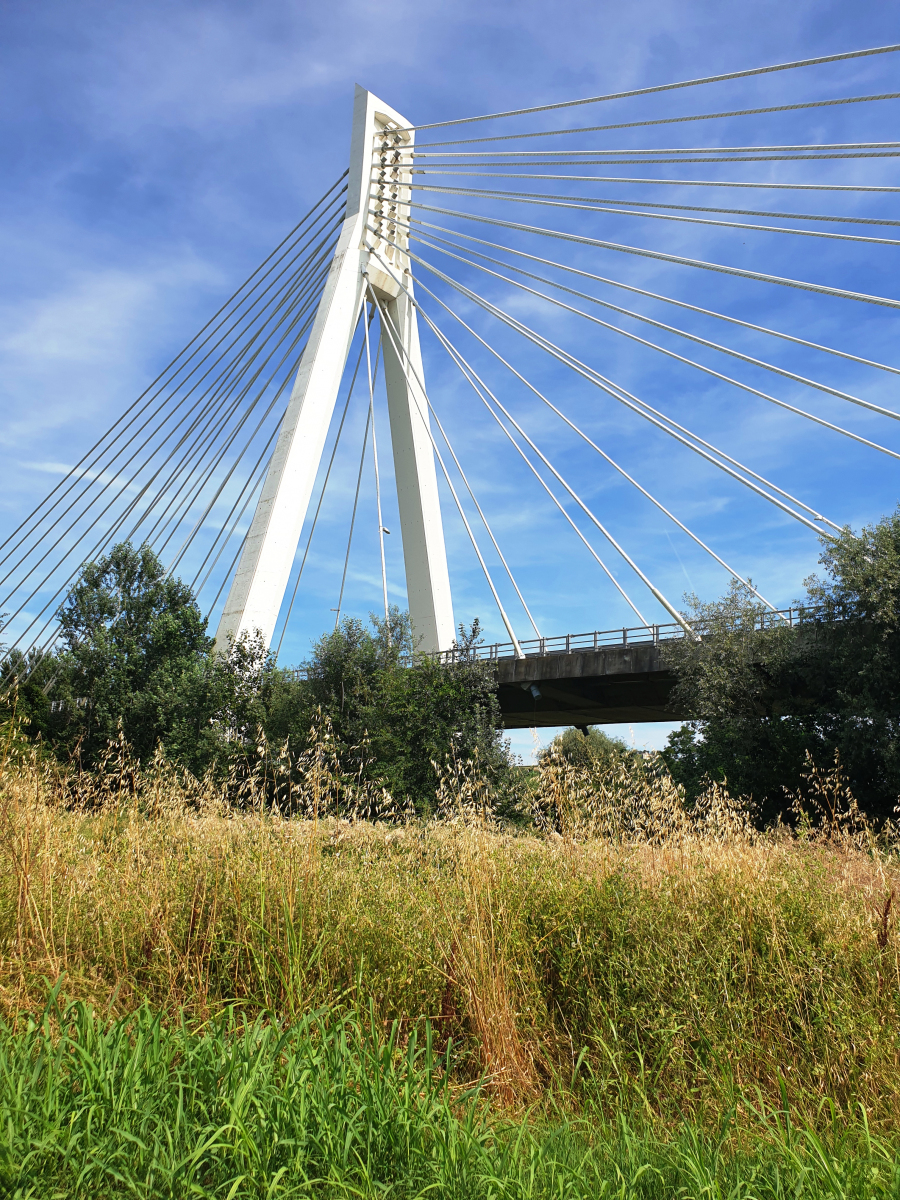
column 394, row 712
column 761, row 694
column 136, row 654
column 593, row 749
column 133, row 637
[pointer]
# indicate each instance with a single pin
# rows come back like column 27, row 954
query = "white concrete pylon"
column 379, row 161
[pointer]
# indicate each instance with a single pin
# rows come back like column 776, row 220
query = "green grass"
column 339, row 1106
column 628, row 999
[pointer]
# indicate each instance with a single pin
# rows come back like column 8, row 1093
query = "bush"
column 761, row 695
column 397, row 717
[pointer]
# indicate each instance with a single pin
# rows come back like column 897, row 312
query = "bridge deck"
column 585, row 687
column 598, row 678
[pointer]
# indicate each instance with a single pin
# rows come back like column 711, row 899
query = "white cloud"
column 158, row 150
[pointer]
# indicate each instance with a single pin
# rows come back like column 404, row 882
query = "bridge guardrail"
column 636, row 635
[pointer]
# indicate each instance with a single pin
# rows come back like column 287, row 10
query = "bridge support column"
column 424, row 556
column 259, row 585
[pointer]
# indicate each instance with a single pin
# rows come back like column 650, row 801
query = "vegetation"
column 395, row 716
column 765, row 697
column 632, row 997
column 312, row 934
column 136, row 661
column 645, row 939
column 344, row 1107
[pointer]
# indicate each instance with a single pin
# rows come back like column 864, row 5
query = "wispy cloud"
column 157, row 151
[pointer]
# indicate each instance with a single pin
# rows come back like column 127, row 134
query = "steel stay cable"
column 99, row 546
column 639, row 406
column 725, row 183
column 449, row 345
column 406, row 365
column 217, row 394
column 628, row 287
column 659, row 87
column 217, row 418
column 173, row 522
column 280, row 391
column 218, row 391
column 887, row 412
column 359, row 474
column 77, row 472
column 135, row 452
column 654, row 590
column 618, row 392
column 249, row 442
column 711, row 157
column 578, row 205
column 741, row 212
column 548, row 490
column 676, row 151
column 170, row 365
column 325, row 483
column 484, row 519
column 127, row 484
column 228, row 401
column 362, row 459
column 315, row 519
column 746, row 387
column 246, row 493
column 290, row 317
column 468, row 373
column 222, row 404
column 736, row 112
column 228, row 574
column 720, row 268
column 258, row 480
column 645, row 408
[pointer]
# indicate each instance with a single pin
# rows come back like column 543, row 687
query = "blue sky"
column 154, row 153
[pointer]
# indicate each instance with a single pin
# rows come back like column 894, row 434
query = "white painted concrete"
column 262, row 575
column 424, row 556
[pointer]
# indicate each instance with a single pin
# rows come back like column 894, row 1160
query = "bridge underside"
column 586, row 687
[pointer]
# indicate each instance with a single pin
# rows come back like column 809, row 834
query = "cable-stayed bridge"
column 480, row 262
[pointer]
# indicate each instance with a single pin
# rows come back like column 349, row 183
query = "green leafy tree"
column 218, row 706
column 593, row 749
column 133, row 638
column 395, row 712
column 761, row 694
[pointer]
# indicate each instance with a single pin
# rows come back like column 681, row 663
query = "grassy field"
column 622, row 999
column 343, row 1107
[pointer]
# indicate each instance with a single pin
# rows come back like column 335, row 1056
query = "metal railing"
column 636, row 635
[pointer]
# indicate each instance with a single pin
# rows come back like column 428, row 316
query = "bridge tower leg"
column 379, row 163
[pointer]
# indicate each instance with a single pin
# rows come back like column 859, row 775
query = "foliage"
column 761, row 695
column 397, row 716
column 662, row 952
column 131, row 635
column 592, row 748
column 137, row 663
column 338, row 1106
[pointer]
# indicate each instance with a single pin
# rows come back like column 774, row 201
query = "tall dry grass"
column 650, row 956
